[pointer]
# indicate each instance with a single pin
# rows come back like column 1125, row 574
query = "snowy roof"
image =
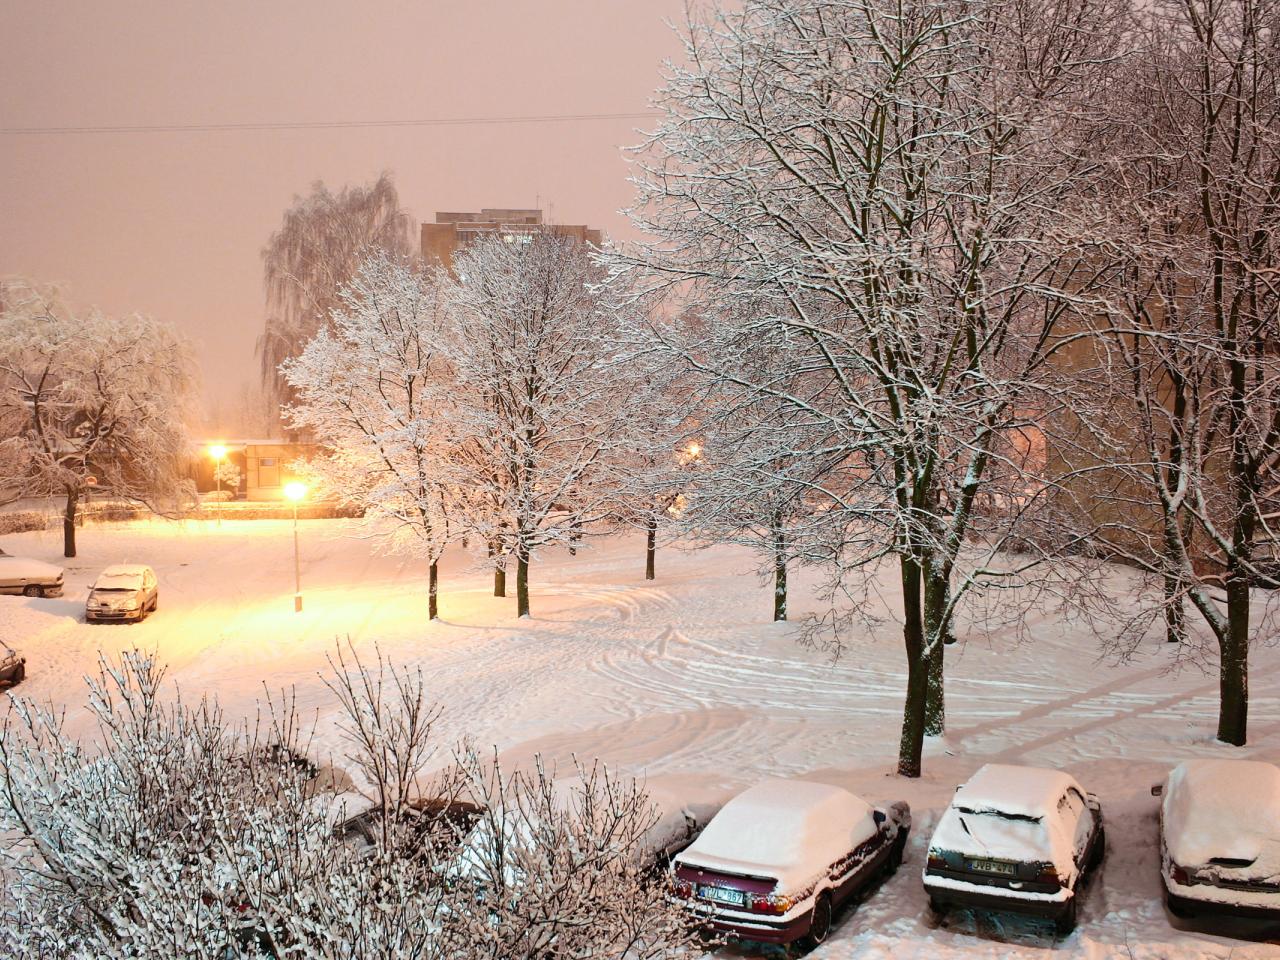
column 791, row 830
column 1223, row 809
column 1020, row 791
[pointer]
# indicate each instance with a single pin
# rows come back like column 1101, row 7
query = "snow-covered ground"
column 685, row 680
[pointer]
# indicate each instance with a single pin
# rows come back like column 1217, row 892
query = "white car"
column 31, row 578
column 1220, row 838
column 125, row 591
column 1021, row 839
column 781, row 857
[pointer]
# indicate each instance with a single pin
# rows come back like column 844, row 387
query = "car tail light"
column 1181, row 875
column 684, row 889
column 936, row 861
column 1048, row 873
column 776, row 903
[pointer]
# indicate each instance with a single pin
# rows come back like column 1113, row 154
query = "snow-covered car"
column 124, row 591
column 1220, row 838
column 781, row 857
column 1017, row 839
column 434, row 825
column 13, row 668
column 31, row 578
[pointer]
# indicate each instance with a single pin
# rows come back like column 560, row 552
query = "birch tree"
column 546, row 401
column 376, row 391
column 889, row 185
column 90, row 402
column 321, row 242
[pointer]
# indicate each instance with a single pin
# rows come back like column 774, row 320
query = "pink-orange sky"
column 173, row 223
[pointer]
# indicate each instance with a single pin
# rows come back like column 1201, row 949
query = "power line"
column 319, row 124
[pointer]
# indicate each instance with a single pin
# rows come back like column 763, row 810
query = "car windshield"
column 114, row 589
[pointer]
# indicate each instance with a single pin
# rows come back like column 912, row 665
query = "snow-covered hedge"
column 21, row 521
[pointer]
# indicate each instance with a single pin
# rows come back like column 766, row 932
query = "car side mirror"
column 879, row 816
column 1158, row 790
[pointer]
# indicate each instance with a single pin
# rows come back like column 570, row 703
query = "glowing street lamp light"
column 219, row 453
column 296, row 491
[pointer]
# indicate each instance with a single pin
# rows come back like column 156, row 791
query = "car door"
column 9, row 582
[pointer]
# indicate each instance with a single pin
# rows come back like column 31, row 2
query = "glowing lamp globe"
column 217, row 451
column 295, row 491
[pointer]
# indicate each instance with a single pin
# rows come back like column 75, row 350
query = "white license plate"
column 723, row 895
column 994, row 866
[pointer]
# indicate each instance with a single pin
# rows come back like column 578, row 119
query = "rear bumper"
column 761, row 930
column 53, row 590
column 1202, row 900
column 992, row 898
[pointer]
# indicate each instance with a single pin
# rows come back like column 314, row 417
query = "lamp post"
column 296, row 491
column 219, row 453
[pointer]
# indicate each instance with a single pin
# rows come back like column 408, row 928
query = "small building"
column 454, row 230
column 264, row 466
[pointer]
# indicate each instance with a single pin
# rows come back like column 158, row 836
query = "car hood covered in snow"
column 788, row 830
column 1224, row 810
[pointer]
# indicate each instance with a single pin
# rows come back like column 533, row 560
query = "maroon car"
column 782, row 857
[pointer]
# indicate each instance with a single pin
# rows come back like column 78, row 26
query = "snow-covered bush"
column 20, row 521
column 177, row 833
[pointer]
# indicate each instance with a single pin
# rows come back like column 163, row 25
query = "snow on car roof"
column 123, row 572
column 1221, row 808
column 1014, row 791
column 790, row 830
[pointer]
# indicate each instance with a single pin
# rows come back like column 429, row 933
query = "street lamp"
column 296, row 491
column 219, row 453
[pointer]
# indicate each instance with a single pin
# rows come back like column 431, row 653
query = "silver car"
column 125, row 591
column 31, row 578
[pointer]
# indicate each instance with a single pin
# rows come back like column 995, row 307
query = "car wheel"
column 155, row 603
column 1099, row 849
column 819, row 923
column 33, row 590
column 1066, row 921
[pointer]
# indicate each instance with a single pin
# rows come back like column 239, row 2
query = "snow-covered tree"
column 324, row 238
column 1194, row 132
column 90, row 402
column 546, row 398
column 888, row 186
column 176, row 833
column 376, row 391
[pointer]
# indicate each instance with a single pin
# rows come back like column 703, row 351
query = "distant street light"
column 219, row 453
column 296, row 491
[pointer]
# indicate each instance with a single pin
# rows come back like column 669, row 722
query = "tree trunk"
column 522, row 581
column 650, row 546
column 1175, row 630
column 779, row 570
column 69, row 524
column 911, row 746
column 499, row 572
column 937, row 598
column 433, row 611
column 1233, row 705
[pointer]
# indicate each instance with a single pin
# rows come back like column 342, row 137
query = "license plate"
column 993, row 866
column 723, row 895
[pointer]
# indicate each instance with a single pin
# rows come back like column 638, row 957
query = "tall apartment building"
column 442, row 239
